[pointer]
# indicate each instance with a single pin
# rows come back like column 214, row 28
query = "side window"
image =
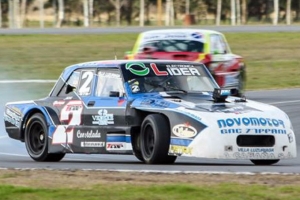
column 109, row 83
column 80, row 81
column 72, row 81
column 85, row 84
column 224, row 44
column 218, row 45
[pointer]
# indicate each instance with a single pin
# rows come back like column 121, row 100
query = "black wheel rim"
column 149, row 140
column 36, row 138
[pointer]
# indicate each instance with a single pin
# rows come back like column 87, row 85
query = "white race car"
column 154, row 109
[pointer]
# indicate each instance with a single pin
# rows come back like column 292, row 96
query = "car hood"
column 230, row 114
column 203, row 103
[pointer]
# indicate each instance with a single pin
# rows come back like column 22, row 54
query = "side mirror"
column 114, row 94
column 70, row 88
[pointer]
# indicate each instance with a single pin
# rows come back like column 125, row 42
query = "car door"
column 68, row 104
column 105, row 114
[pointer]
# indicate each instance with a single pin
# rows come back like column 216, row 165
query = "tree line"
column 89, row 13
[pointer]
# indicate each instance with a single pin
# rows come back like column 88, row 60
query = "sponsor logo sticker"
column 197, row 35
column 103, row 118
column 140, row 68
column 58, row 103
column 12, row 117
column 256, row 150
column 184, row 130
column 175, row 149
column 92, row 144
column 115, row 146
column 88, row 134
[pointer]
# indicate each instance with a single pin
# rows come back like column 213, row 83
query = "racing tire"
column 135, row 147
column 36, row 140
column 139, row 155
column 264, row 162
column 155, row 140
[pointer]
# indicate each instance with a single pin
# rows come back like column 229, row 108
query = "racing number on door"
column 71, row 113
column 86, row 83
column 70, row 116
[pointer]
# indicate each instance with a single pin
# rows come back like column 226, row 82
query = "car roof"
column 183, row 30
column 113, row 63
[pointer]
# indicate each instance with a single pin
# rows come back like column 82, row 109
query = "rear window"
column 174, row 46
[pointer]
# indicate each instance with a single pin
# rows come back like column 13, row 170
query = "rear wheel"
column 155, row 140
column 242, row 83
column 264, row 162
column 36, row 140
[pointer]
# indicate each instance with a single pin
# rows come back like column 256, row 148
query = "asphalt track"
column 13, row 153
column 108, row 30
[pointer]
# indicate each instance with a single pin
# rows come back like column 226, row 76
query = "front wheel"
column 264, row 162
column 36, row 140
column 155, row 140
column 136, row 147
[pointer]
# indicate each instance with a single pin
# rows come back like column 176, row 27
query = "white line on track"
column 161, row 171
column 13, row 154
column 283, row 102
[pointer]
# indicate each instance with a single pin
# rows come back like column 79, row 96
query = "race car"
column 198, row 45
column 155, row 109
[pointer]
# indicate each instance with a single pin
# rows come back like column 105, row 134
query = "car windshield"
column 168, row 77
column 174, row 45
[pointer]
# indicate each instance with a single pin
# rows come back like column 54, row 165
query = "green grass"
column 272, row 58
column 152, row 192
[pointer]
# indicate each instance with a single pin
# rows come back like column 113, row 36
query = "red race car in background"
column 206, row 46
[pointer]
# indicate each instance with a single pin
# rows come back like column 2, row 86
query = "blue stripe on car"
column 180, row 142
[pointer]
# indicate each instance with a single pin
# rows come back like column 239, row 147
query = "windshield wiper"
column 176, row 90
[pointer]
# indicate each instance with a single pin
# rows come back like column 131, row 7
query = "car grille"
column 255, row 140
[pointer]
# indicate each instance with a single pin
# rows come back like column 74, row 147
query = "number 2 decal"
column 86, row 82
column 70, row 116
column 135, row 88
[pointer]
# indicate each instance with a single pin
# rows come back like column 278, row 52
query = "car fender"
column 16, row 116
column 50, row 116
column 184, row 127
